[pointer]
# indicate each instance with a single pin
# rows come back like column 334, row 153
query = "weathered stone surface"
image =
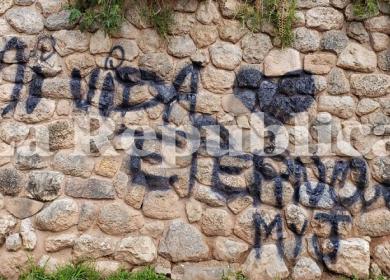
column 207, row 195
column 231, row 31
column 380, row 167
column 117, row 218
column 268, row 193
column 216, row 222
column 370, row 85
column 59, row 21
column 334, row 41
column 357, row 31
column 11, row 181
column 366, row 106
column 374, row 223
column 339, row 3
column 27, row 232
column 58, row 216
column 100, row 42
column 129, row 47
column 381, row 256
column 61, row 135
column 42, row 112
column 108, row 166
column 22, row 207
column 5, row 5
column 296, row 218
column 154, row 229
column 183, row 242
column 227, row 249
column 161, row 205
column 358, row 58
column 238, row 203
column 27, row 158
column 207, row 12
column 188, row 6
column 87, row 246
column 210, row 270
column 194, row 211
column 337, row 82
column 51, row 6
column 324, row 18
column 73, row 164
column 25, row 20
column 60, row 242
column 306, row 40
column 353, row 258
column 204, row 36
column 379, row 41
column 306, row 269
column 45, row 185
column 84, row 62
column 319, row 63
column 323, row 200
column 9, row 74
column 181, row 46
column 312, row 3
column 269, row 266
column 182, row 23
column 217, row 80
column 13, row 242
column 384, row 60
column 378, row 24
column 136, row 250
column 7, row 223
column 68, row 42
column 341, row 106
column 225, row 55
column 159, row 63
column 149, row 41
column 255, row 47
column 88, row 215
column 92, row 188
column 107, row 267
column 279, row 62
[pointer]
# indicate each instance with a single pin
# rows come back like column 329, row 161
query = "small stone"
column 7, row 223
column 384, row 60
column 341, row 106
column 117, row 218
column 136, row 250
column 107, row 166
column 381, row 256
column 380, row 167
column 324, row 18
column 229, row 8
column 13, row 242
column 11, row 181
column 268, row 193
column 83, row 62
column 183, row 242
column 268, row 266
column 187, row 6
column 366, row 106
column 194, row 211
column 22, row 207
column 153, row 229
column 238, row 203
column 204, row 36
column 358, row 58
column 378, row 24
column 323, row 201
column 182, row 23
column 353, row 258
column 323, row 228
column 5, row 5
column 201, row 57
column 319, row 63
column 27, row 232
column 216, row 222
column 58, row 216
column 312, row 3
column 334, row 41
column 13, row 131
column 341, row 4
column 25, row 20
column 357, row 31
column 70, row 41
column 129, row 47
column 88, row 215
column 227, row 249
column 135, row 195
column 337, row 82
column 10, row 74
column 374, row 223
column 91, row 188
column 93, row 247
column 27, row 158
column 149, row 41
column 225, row 55
column 73, row 164
column 306, row 40
column 51, row 6
column 106, row 267
column 42, row 112
column 296, row 218
column 158, row 205
column 100, row 43
column 127, row 30
column 280, row 62
column 306, row 269
column 207, row 12
column 181, row 46
column 59, row 21
column 255, row 47
column 58, row 87
column 231, row 31
column 159, row 63
column 217, row 80
column 379, row 41
column 45, row 185
column 61, row 135
column 370, row 85
column 207, row 195
column 60, row 242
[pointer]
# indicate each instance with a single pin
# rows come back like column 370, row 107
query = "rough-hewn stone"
column 45, row 185
column 324, row 18
column 255, row 47
column 25, row 20
column 370, row 85
column 280, row 62
column 22, row 207
column 358, row 58
column 136, row 250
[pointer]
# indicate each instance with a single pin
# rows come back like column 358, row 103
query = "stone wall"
column 76, row 107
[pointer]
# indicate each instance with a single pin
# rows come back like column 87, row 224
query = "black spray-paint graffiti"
column 280, row 99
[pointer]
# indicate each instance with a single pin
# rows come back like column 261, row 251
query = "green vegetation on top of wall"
column 365, row 8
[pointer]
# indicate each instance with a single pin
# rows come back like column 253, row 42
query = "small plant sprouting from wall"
column 365, row 8
column 281, row 13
